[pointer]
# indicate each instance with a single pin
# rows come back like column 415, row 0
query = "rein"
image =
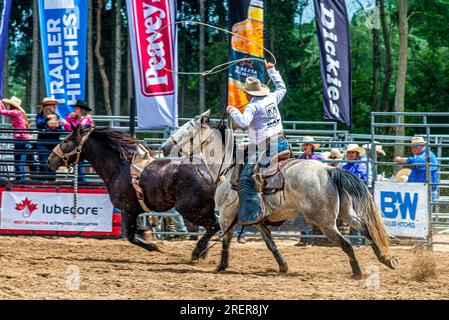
column 66, row 156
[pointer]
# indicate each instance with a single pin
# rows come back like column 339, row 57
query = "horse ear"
column 74, row 128
column 205, row 114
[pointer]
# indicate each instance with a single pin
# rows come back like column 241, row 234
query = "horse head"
column 189, row 138
column 69, row 151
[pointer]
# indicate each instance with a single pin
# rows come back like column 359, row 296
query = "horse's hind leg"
column 201, row 246
column 133, row 237
column 266, row 234
column 336, row 238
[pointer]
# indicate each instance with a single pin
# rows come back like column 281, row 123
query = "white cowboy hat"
column 255, row 88
column 402, row 175
column 378, row 148
column 309, row 140
column 355, row 147
column 334, row 154
column 16, row 102
column 417, row 140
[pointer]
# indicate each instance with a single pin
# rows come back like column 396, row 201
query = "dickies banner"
column 247, row 20
column 4, row 26
column 63, row 26
column 154, row 57
column 332, row 24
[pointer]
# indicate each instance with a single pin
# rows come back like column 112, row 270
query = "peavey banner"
column 63, row 26
column 4, row 26
column 38, row 211
column 246, row 19
column 154, row 56
column 333, row 39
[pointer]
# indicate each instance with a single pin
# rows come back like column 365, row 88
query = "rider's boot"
column 252, row 208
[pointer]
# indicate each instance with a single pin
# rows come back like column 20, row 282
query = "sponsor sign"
column 404, row 208
column 55, row 211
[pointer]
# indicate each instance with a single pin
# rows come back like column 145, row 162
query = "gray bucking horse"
column 322, row 194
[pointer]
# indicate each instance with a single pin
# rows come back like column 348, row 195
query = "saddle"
column 140, row 160
column 268, row 180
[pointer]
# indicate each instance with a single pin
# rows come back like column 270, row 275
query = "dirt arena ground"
column 76, row 268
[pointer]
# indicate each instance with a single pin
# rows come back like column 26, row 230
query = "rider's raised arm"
column 279, row 83
column 244, row 119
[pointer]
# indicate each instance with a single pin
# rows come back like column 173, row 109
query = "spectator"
column 334, row 154
column 369, row 157
column 80, row 116
column 49, row 125
column 353, row 153
column 21, row 136
column 308, row 149
column 418, row 173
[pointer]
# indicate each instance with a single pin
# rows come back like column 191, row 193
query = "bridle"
column 66, row 156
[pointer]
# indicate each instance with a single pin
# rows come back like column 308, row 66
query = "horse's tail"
column 351, row 187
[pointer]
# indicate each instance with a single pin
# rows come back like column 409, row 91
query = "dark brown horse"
column 167, row 184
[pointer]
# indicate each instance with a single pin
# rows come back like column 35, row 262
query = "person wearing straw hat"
column 50, row 127
column 369, row 158
column 418, row 173
column 20, row 123
column 308, row 149
column 334, row 154
column 263, row 119
column 355, row 152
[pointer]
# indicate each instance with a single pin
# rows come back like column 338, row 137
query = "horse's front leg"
column 266, row 234
column 130, row 221
column 201, row 246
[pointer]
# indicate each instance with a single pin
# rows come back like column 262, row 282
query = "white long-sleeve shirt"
column 261, row 115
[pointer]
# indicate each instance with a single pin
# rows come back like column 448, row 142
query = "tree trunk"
column 376, row 62
column 402, row 67
column 129, row 73
column 388, row 59
column 35, row 60
column 202, row 79
column 103, row 75
column 117, row 58
column 90, row 57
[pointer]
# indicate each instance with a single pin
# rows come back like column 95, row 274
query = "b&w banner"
column 154, row 56
column 63, row 26
column 332, row 24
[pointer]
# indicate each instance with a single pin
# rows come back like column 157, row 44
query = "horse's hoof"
column 357, row 276
column 220, row 269
column 393, row 263
column 283, row 268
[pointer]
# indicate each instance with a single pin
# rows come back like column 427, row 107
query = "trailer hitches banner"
column 63, row 26
column 246, row 19
column 332, row 24
column 154, row 56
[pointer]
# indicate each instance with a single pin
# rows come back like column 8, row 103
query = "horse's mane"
column 120, row 141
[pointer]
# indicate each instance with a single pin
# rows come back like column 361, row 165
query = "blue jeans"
column 21, row 148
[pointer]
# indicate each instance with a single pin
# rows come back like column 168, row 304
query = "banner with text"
column 39, row 211
column 404, row 208
column 247, row 20
column 63, row 26
column 332, row 25
column 154, row 56
column 4, row 26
